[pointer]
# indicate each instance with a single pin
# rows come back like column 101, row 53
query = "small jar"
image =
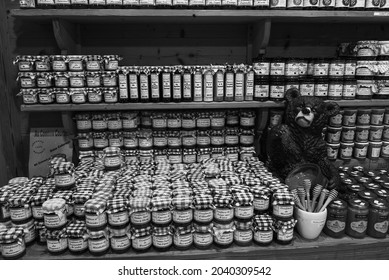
column 77, row 79
column 29, row 231
column 64, row 175
column 61, row 95
column 27, row 79
column 162, row 238
column 362, row 133
column 161, row 214
column 321, row 68
column 54, row 213
column 283, row 203
column 93, row 79
column 41, row 233
column 189, row 156
column 377, row 116
column 140, row 215
column 385, row 149
column 349, row 89
column 110, row 79
column 261, row 200
column 203, row 209
column 261, row 88
column 183, row 237
column 332, row 151
column 378, row 218
column 5, row 215
column 335, row 89
column 284, row 231
column 75, row 63
column 307, row 86
column 357, row 218
column 117, row 210
column 44, row 80
column 374, row 150
column 110, row 95
column 363, row 116
column 20, row 209
column 78, row 95
column 26, row 63
column 111, row 62
column 77, row 238
column 12, row 243
column 98, row 242
column 336, row 68
column 336, row 121
column 130, row 121
column 223, row 212
column 223, row 234
column 120, row 238
column 277, row 88
column 336, row 219
column 58, row 63
column 182, row 210
column 93, row 62
column 95, row 214
column 366, row 87
column 375, row 133
column 346, row 150
column 202, row 236
column 246, row 137
column 360, row 150
column 83, row 123
column 333, row 135
column 277, row 67
column 349, row 117
column 348, row 134
column 203, row 138
column 141, row 239
column 42, row 63
column 243, row 206
column 243, row 234
column 263, row 230
column 321, row 87
column 79, row 200
column 57, row 241
column 189, row 138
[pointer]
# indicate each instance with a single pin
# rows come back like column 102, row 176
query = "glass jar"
column 378, row 218
column 283, row 203
column 117, row 210
column 20, row 208
column 75, row 63
column 42, row 63
column 44, row 79
column 243, row 206
column 111, row 95
column 202, row 236
column 64, row 175
column 162, row 238
column 5, row 215
column 120, row 238
column 223, row 234
column 140, row 215
column 161, row 214
column 277, row 67
column 46, row 96
column 27, row 79
column 284, row 231
column 277, row 88
column 307, row 86
column 111, row 62
column 336, row 219
column 335, row 89
column 77, row 237
column 93, row 79
column 261, row 199
column 223, row 212
column 26, row 63
column 357, row 218
column 261, row 88
column 54, row 213
column 243, row 234
column 182, row 210
column 203, row 209
column 61, row 79
column 141, row 239
column 57, row 241
column 78, row 95
column 183, row 237
column 98, row 242
column 95, row 214
column 263, row 230
column 12, row 243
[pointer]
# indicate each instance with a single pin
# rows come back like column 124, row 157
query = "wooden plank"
column 158, row 15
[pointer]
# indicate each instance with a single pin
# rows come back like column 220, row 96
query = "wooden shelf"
column 323, row 247
column 185, row 106
column 188, row 15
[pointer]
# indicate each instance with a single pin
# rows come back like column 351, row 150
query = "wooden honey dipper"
column 307, row 186
column 301, row 195
column 331, row 196
column 296, row 199
column 316, row 193
column 323, row 196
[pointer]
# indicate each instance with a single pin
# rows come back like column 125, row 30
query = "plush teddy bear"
column 300, row 139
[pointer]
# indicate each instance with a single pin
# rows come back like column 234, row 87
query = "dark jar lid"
column 382, row 193
column 371, row 186
column 367, row 195
column 261, row 59
column 379, row 204
column 355, row 188
column 338, row 204
column 358, row 204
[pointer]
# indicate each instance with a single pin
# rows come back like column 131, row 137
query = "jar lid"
column 243, row 225
column 202, row 228
column 222, row 200
column 182, row 202
column 117, row 204
column 76, row 229
column 66, row 195
column 283, row 198
column 95, row 205
column 358, row 203
column 19, row 199
column 371, row 186
column 56, row 234
column 243, row 198
column 378, row 111
column 261, row 192
column 263, row 222
column 284, row 225
column 140, row 232
column 355, row 188
column 183, row 230
column 379, row 204
column 95, row 234
column 53, row 205
column 338, row 204
column 139, row 203
column 161, row 202
column 203, row 201
column 82, row 197
column 18, row 181
column 11, row 234
column 93, row 57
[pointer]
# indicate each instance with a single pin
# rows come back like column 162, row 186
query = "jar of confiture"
column 203, row 209
column 95, row 214
column 120, row 238
column 263, row 230
column 223, row 234
column 223, row 212
column 20, row 208
column 202, row 236
column 283, row 203
column 12, row 243
column 378, row 218
column 357, row 218
column 141, row 239
column 140, row 215
column 162, row 238
column 98, row 242
column 336, row 219
column 77, row 237
column 243, row 234
column 161, row 214
column 284, row 231
column 54, row 213
column 57, row 241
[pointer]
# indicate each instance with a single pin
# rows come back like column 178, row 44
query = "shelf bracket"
column 67, row 36
column 260, row 37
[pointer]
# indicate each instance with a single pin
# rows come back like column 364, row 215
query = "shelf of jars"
column 202, row 15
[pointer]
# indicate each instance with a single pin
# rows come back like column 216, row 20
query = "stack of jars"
column 364, row 207
column 68, row 79
column 179, row 137
column 202, row 4
column 358, row 133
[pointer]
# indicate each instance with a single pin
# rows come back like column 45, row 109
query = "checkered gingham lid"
column 217, row 184
column 240, row 189
column 148, row 192
column 140, row 232
column 160, row 231
column 56, row 234
column 124, row 193
column 63, row 167
column 11, row 235
column 95, row 234
column 162, row 192
column 199, row 184
column 243, row 198
column 183, row 230
column 226, row 166
column 126, row 230
column 95, row 205
column 102, row 195
column 262, row 192
column 203, row 228
column 54, row 205
column 182, row 202
column 222, row 200
column 180, row 184
column 284, row 225
column 77, row 229
column 18, row 200
column 230, row 178
column 20, row 181
column 66, row 195
column 196, row 176
column 263, row 222
column 139, row 204
column 283, row 198
column 142, row 185
column 161, row 203
column 203, row 201
column 35, row 181
column 249, row 179
column 4, row 197
column 117, row 204
column 178, row 176
column 80, row 197
column 201, row 191
column 182, row 192
column 141, row 179
column 161, row 178
column 278, row 187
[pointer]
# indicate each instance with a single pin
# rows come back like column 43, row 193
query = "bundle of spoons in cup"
column 315, row 199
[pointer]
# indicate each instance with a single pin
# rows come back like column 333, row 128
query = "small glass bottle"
column 177, row 72
column 166, row 83
column 155, row 84
column 187, row 84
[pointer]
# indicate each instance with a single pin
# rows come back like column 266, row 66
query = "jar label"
column 307, row 89
column 243, row 235
column 375, row 152
column 202, row 239
column 381, row 227
column 115, row 142
column 114, row 124
column 55, row 220
column 100, row 142
column 37, row 212
column 187, row 86
column 189, row 140
column 203, row 216
column 159, row 123
column 19, row 214
column 162, row 241
column 93, row 65
column 283, row 211
column 225, row 238
column 183, row 216
column 64, row 180
column 77, row 82
column 285, row 236
column 61, row 82
column 183, row 240
column 173, row 123
column 130, row 142
column 277, row 91
column 129, row 124
column 13, row 249
column 43, row 82
column 217, row 140
column 27, row 82
column 112, row 161
column 263, row 236
column 261, row 68
column 277, row 68
column 145, row 142
column 218, row 122
column 197, row 88
column 95, row 220
column 335, row 90
column 99, row 125
column 239, row 80
column 189, row 159
column 112, row 65
column 229, row 90
column 154, row 85
column 177, row 86
column 208, row 87
column 79, row 210
column 223, row 214
column 349, row 69
column 261, row 204
column 57, row 245
column 349, row 90
column 203, row 140
column 349, row 120
column 75, row 65
column 244, row 212
column 174, row 141
column 142, row 243
column 359, row 226
column 188, row 123
column 77, row 244
column 233, row 157
column 203, row 122
column 110, row 97
column 232, row 139
column 59, row 65
column 99, row 245
column 25, row 65
column 160, row 141
column 120, row 242
column 247, row 121
column 160, row 157
column 42, row 66
column 6, row 213
column 377, row 119
column 140, row 218
column 336, row 69
column 336, row 225
column 320, row 69
column 321, row 90
column 62, row 98
column 175, row 159
column 84, row 124
column 161, row 217
column 247, row 139
column 118, row 219
column 144, row 87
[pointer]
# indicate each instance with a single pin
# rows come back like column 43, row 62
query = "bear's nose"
column 306, row 111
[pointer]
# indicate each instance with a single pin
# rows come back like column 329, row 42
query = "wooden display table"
column 322, row 248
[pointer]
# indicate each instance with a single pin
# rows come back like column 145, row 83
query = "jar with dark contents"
column 54, row 213
column 141, row 239
column 40, row 232
column 188, row 121
column 202, row 236
column 246, row 137
column 243, row 206
column 183, row 237
column 232, row 153
column 223, row 212
column 307, row 86
column 203, row 209
column 261, row 200
column 77, row 237
column 367, row 195
column 203, row 121
column 12, row 243
column 98, row 242
column 378, row 218
column 46, row 96
column 349, row 89
column 111, row 62
column 182, row 210
column 120, row 238
column 277, row 88
column 161, row 211
column 383, row 194
column 352, row 190
column 25, row 63
column 223, row 234
column 335, row 89
column 61, row 80
column 162, row 238
column 229, row 83
column 27, row 79
column 30, row 96
column 232, row 118
column 336, row 219
column 57, row 241
column 283, row 203
column 189, row 156
column 357, row 218
column 263, row 230
column 79, row 199
column 284, row 231
column 166, row 83
column 261, row 88
column 42, row 63
column 140, row 215
column 203, row 154
column 95, row 214
column 44, row 79
column 64, row 175
column 145, row 138
column 5, row 215
column 243, row 234
column 174, row 139
column 277, row 67
column 247, row 118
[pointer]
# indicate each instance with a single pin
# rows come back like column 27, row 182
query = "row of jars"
column 64, row 63
column 358, row 150
column 360, row 117
column 360, row 49
column 172, row 120
column 230, row 4
column 67, row 79
column 350, row 134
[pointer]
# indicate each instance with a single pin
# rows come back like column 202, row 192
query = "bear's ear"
column 291, row 94
column 331, row 108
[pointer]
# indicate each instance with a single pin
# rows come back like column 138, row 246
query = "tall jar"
column 378, row 218
column 357, row 218
column 336, row 219
column 203, row 236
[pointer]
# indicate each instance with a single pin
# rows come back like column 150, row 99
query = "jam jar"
column 223, row 234
column 64, row 175
column 183, row 237
column 46, row 96
column 54, row 213
column 367, row 195
column 98, row 242
column 203, row 236
column 61, row 95
column 79, row 198
column 67, row 195
column 93, row 62
column 243, row 206
column 77, row 79
column 44, row 79
column 29, row 231
column 263, row 230
column 349, row 89
column 203, row 209
column 283, row 203
column 261, row 200
column 57, row 241
column 162, row 238
column 277, row 88
column 42, row 63
column 110, row 79
column 95, row 214
column 117, row 210
column 83, row 122
column 141, row 238
column 336, row 219
column 19, row 207
column 140, row 215
column 161, row 214
column 26, row 63
column 41, row 232
column 203, row 138
column 357, row 218
column 120, row 238
column 261, row 88
column 112, row 158
column 12, row 243
column 75, row 63
column 223, row 212
column 232, row 136
column 182, row 210
column 27, row 79
column 243, row 234
column 284, row 231
column 110, row 94
column 111, row 62
column 93, row 79
column 378, row 218
column 78, row 95
column 246, row 137
column 77, row 237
